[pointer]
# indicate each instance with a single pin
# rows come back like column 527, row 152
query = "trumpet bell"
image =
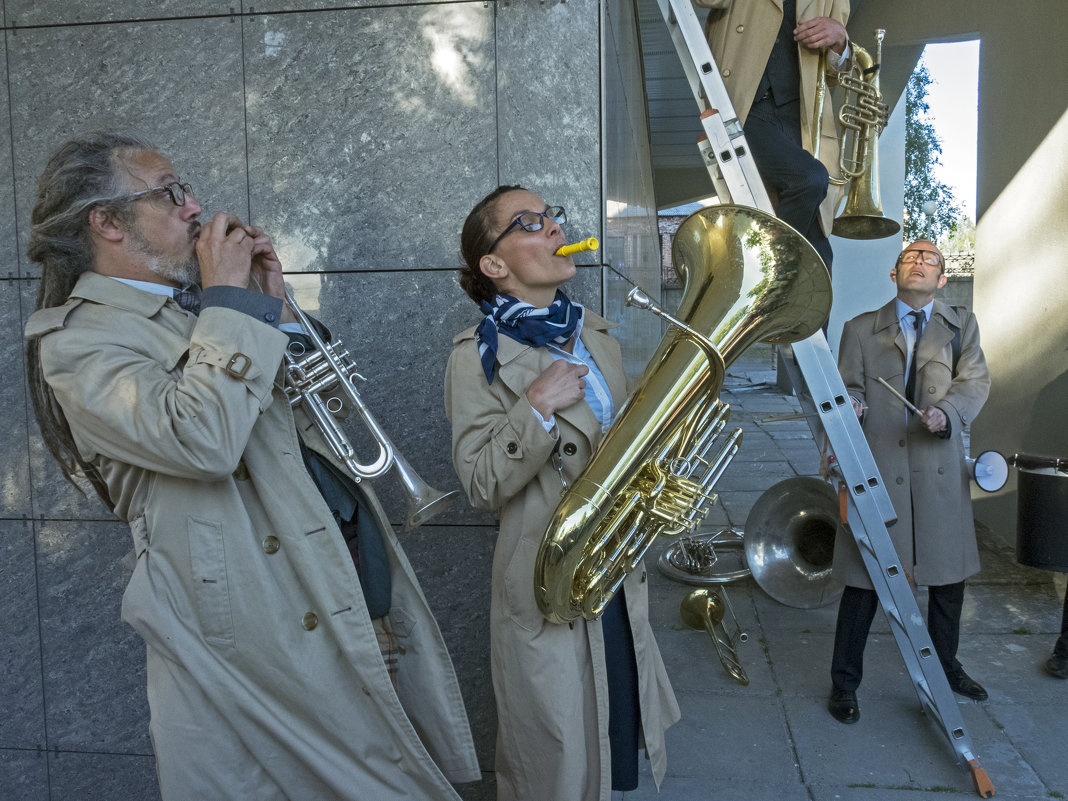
column 789, row 542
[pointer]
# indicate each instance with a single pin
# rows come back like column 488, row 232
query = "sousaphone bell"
column 789, row 542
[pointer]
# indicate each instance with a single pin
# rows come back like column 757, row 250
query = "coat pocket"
column 519, row 587
column 211, row 591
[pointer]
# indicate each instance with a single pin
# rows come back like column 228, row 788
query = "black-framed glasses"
column 175, row 189
column 930, row 257
column 532, row 221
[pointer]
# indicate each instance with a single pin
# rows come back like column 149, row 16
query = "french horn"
column 748, row 277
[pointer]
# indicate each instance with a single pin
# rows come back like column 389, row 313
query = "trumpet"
column 862, row 120
column 704, row 610
column 578, row 247
column 325, row 368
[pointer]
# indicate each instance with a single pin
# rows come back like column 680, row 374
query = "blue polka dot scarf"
column 524, row 323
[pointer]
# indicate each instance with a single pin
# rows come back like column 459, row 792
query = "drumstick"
column 899, row 396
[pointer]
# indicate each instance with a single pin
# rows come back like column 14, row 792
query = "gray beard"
column 183, row 272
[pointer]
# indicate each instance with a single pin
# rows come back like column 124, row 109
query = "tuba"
column 862, row 120
column 328, row 368
column 748, row 277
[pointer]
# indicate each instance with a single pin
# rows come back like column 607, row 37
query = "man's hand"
column 267, row 270
column 224, row 251
column 821, row 32
column 934, row 418
column 858, row 407
column 559, row 386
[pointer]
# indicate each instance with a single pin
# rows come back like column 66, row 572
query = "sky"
column 954, row 98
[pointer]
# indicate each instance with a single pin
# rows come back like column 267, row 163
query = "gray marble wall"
column 359, row 137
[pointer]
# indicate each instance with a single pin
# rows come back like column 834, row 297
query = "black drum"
column 1042, row 511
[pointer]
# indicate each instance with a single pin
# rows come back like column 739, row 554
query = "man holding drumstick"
column 927, row 352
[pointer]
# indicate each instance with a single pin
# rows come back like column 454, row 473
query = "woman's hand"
column 559, row 386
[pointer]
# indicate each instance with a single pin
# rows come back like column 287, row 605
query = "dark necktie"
column 910, row 384
column 188, row 299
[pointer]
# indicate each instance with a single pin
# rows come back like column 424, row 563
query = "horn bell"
column 789, row 542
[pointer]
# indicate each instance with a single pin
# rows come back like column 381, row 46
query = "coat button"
column 309, row 621
column 570, row 449
column 241, row 473
column 726, row 73
column 941, row 470
column 271, row 545
column 901, row 443
column 740, row 28
column 512, row 447
column 900, row 480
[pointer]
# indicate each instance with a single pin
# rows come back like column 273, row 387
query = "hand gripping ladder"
column 823, row 395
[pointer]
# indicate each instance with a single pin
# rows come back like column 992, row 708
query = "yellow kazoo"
column 578, row 247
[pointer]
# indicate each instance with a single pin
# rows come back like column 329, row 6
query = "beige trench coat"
column 924, row 475
column 741, row 34
column 549, row 679
column 264, row 671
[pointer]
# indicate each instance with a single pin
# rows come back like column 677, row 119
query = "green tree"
column 960, row 238
column 930, row 208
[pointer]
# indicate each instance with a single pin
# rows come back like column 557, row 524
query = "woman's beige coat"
column 924, row 475
column 549, row 679
column 265, row 677
column 741, row 34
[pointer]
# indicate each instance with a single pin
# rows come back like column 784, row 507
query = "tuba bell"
column 863, row 116
column 748, row 277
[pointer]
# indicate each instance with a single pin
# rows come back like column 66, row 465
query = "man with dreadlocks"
column 281, row 663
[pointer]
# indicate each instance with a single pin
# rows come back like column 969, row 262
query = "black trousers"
column 856, row 611
column 1061, row 648
column 788, row 170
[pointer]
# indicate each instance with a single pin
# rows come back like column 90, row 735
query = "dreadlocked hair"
column 83, row 174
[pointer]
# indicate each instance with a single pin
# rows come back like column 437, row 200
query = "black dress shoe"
column 963, row 684
column 843, row 706
column 1057, row 666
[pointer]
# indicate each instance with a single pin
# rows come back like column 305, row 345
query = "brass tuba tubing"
column 578, row 247
column 748, row 277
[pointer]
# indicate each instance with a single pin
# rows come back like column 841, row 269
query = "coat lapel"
column 886, row 324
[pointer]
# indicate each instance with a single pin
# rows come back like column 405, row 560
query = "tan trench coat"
column 549, row 679
column 264, row 671
column 925, row 476
column 741, row 34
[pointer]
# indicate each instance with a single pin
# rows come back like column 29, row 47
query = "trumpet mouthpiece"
column 578, row 247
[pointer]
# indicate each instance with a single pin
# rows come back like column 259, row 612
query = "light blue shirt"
column 598, row 395
column 907, row 328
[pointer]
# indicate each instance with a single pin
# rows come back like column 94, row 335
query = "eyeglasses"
column 176, row 190
column 531, row 221
column 930, row 257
